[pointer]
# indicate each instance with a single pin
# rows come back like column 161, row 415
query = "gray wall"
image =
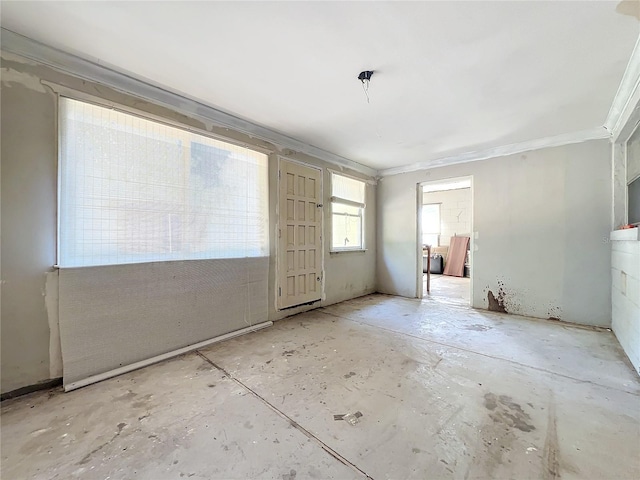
column 541, row 227
column 29, row 179
column 28, row 228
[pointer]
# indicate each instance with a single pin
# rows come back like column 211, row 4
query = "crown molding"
column 555, row 141
column 625, row 107
column 17, row 44
column 627, row 98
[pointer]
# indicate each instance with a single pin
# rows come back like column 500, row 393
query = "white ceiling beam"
column 65, row 62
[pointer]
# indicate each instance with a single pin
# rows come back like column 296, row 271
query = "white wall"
column 625, row 297
column 455, row 212
column 625, row 254
column 541, row 223
column 29, row 198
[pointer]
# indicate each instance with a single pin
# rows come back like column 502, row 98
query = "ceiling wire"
column 365, row 77
column 365, row 87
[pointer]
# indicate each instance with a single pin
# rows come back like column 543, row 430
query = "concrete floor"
column 452, row 290
column 444, row 392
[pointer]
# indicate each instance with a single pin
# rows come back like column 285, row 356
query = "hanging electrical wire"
column 365, row 78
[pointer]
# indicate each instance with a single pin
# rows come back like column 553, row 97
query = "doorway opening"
column 445, row 243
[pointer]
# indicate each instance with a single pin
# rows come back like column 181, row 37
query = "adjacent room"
column 446, row 228
column 295, row 240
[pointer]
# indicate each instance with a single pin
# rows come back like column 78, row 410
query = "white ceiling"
column 450, row 77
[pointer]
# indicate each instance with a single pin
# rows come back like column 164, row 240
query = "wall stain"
column 554, row 313
column 630, row 8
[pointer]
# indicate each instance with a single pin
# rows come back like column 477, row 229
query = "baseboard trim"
column 159, row 358
column 19, row 392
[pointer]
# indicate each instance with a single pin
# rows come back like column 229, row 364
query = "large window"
column 431, row 224
column 134, row 190
column 347, row 211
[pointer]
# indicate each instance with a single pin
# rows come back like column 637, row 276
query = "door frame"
column 419, row 197
column 277, row 229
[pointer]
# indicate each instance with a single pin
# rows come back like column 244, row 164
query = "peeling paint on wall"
column 10, row 77
column 496, row 304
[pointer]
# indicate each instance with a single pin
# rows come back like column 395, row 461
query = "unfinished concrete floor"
column 452, row 290
column 444, row 392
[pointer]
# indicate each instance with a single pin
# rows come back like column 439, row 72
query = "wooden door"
column 299, row 234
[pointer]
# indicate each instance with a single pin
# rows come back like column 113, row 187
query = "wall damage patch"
column 496, row 304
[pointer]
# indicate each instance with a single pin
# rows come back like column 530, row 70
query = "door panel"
column 299, row 235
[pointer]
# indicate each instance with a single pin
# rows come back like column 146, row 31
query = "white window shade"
column 349, row 189
column 133, row 190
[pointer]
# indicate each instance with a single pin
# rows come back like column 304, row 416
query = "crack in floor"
column 291, row 421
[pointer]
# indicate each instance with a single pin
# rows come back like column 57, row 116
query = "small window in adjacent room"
column 431, row 224
column 133, row 190
column 347, row 213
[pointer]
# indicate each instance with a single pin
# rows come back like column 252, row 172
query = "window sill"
column 361, row 250
column 625, row 234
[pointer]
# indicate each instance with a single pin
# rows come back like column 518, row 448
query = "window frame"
column 350, row 203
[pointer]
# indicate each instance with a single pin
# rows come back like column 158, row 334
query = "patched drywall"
column 541, row 222
column 28, row 225
column 30, row 342
column 51, row 298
